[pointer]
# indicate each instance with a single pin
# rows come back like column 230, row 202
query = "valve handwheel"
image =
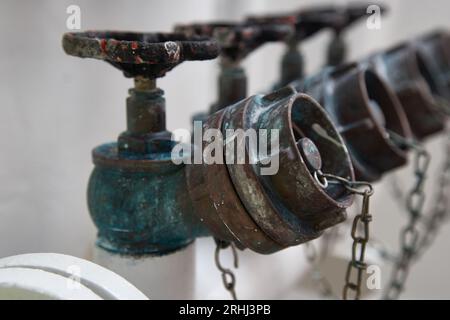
column 238, row 40
column 304, row 27
column 144, row 57
column 149, row 55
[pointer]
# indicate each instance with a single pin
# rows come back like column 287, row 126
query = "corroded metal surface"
column 403, row 69
column 217, row 203
column 303, row 27
column 433, row 50
column 146, row 121
column 137, row 196
column 232, row 87
column 292, row 61
column 237, row 41
column 139, row 204
column 364, row 108
column 272, row 212
column 149, row 55
column 306, row 23
column 143, row 203
column 338, row 19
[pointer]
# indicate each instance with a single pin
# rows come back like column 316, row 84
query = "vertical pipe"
column 232, row 85
column 168, row 277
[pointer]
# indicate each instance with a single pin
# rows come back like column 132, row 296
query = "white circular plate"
column 59, row 276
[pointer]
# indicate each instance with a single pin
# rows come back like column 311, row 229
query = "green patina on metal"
column 141, row 211
column 142, row 202
column 137, row 196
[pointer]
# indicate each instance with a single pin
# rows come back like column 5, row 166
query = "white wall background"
column 56, row 108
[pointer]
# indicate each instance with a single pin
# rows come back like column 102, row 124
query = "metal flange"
column 282, row 209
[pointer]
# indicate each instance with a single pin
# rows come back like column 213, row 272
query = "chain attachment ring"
column 228, row 277
column 320, row 179
column 361, row 221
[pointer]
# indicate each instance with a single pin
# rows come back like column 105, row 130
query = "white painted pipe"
column 169, row 276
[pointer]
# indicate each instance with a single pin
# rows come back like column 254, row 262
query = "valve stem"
column 144, row 84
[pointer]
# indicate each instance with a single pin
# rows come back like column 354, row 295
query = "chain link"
column 409, row 236
column 360, row 222
column 440, row 213
column 228, row 277
column 357, row 262
column 411, row 243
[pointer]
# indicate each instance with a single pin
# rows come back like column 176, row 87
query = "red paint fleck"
column 134, row 45
column 103, row 43
column 291, row 19
column 247, row 33
column 138, row 60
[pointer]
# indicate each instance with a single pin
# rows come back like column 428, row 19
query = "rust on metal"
column 365, row 110
column 433, row 52
column 144, row 203
column 237, row 41
column 137, row 195
column 283, row 209
column 149, row 55
column 406, row 72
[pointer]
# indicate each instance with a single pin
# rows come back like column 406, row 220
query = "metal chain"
column 360, row 239
column 357, row 262
column 402, row 143
column 228, row 277
column 322, row 283
column 440, row 212
column 409, row 237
